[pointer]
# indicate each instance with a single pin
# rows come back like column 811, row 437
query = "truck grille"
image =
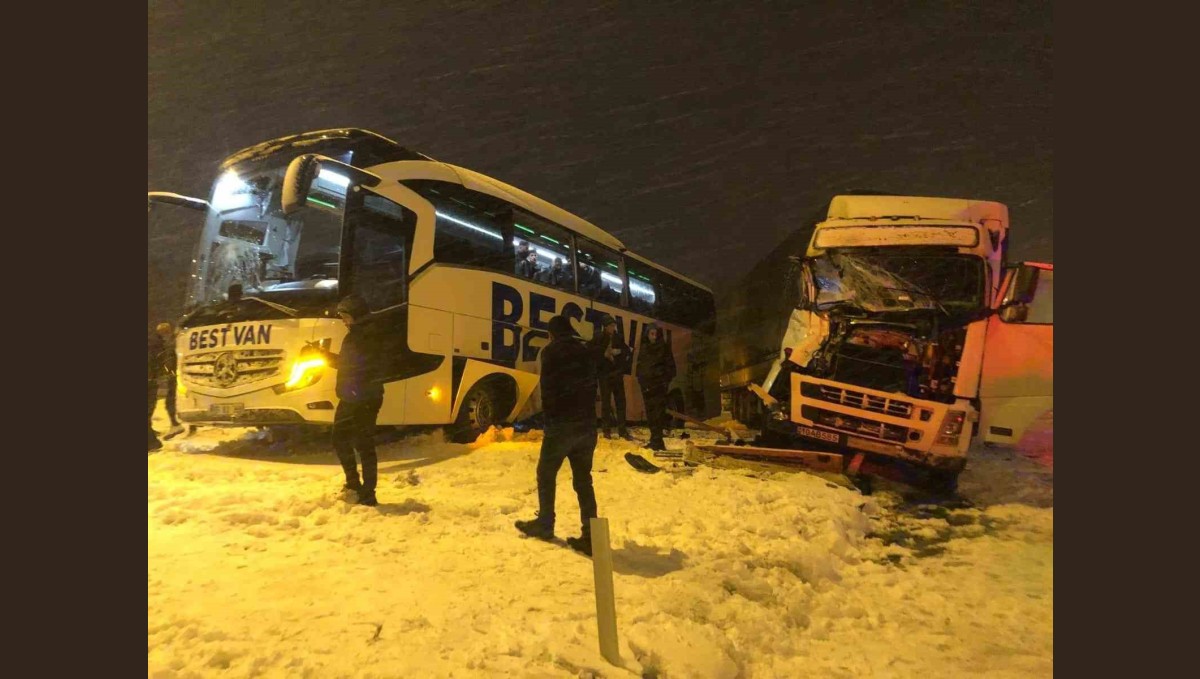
column 856, row 425
column 226, row 369
column 858, row 399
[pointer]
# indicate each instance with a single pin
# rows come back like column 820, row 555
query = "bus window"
column 688, row 305
column 645, row 289
column 381, row 234
column 599, row 272
column 543, row 251
column 473, row 229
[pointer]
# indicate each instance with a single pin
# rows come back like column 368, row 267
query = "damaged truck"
column 910, row 337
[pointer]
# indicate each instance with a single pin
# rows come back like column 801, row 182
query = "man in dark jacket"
column 614, row 356
column 360, row 396
column 154, row 348
column 170, row 366
column 529, row 267
column 655, row 370
column 568, row 380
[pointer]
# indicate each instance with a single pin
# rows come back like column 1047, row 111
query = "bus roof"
column 372, row 150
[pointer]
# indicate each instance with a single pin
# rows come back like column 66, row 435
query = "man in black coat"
column 568, row 381
column 170, row 367
column 614, row 358
column 360, row 396
column 154, row 349
column 655, row 370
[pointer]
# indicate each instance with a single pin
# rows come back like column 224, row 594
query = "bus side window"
column 645, row 289
column 381, row 233
column 543, row 251
column 599, row 273
column 472, row 228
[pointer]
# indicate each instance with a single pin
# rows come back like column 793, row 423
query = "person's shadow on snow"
column 409, row 506
column 646, row 562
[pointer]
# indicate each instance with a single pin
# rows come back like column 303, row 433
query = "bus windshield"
column 289, row 261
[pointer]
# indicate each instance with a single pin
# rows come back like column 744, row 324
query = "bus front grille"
column 227, row 369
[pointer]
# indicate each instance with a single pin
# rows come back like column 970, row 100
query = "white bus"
column 300, row 222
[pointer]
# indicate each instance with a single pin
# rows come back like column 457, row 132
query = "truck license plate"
column 819, row 435
column 226, row 409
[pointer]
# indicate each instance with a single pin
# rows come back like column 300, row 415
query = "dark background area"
column 701, row 134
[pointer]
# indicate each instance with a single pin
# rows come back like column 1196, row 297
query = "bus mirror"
column 297, row 181
column 1024, row 285
column 154, row 197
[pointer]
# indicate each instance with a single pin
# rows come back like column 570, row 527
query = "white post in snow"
column 606, row 606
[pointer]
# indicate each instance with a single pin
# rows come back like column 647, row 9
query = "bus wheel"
column 484, row 406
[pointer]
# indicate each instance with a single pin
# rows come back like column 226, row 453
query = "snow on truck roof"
column 885, row 207
column 388, row 157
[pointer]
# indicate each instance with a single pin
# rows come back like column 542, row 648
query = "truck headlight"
column 306, row 370
column 952, row 426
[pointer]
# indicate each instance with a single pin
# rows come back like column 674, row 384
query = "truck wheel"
column 943, row 482
column 484, row 406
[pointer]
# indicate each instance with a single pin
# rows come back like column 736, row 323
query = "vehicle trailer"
column 911, row 336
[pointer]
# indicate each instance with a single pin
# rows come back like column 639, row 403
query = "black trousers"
column 613, row 389
column 171, row 387
column 575, row 443
column 152, row 401
column 354, row 430
column 655, row 398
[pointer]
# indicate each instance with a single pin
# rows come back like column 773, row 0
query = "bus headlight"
column 306, row 370
column 952, row 426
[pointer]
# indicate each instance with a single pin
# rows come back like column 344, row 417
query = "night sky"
column 699, row 133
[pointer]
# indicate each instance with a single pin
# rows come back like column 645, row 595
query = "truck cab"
column 911, row 335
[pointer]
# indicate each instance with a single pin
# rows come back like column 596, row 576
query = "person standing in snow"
column 568, row 382
column 170, row 364
column 154, row 348
column 360, row 395
column 613, row 356
column 655, row 370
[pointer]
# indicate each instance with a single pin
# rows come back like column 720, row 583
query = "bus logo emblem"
column 225, row 369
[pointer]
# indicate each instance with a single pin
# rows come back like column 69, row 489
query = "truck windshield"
column 289, row 261
column 897, row 281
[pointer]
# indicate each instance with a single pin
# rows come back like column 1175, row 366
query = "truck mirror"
column 1024, row 285
column 1014, row 313
column 297, row 182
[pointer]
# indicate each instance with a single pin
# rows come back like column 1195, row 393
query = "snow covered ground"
column 258, row 567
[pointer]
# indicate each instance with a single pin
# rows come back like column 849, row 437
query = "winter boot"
column 607, row 434
column 581, row 544
column 624, row 433
column 367, row 497
column 535, row 528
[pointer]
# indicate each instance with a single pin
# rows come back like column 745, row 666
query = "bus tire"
column 485, row 405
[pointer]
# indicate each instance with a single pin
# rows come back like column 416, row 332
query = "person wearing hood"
column 360, row 395
column 655, row 370
column 613, row 356
column 568, row 383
